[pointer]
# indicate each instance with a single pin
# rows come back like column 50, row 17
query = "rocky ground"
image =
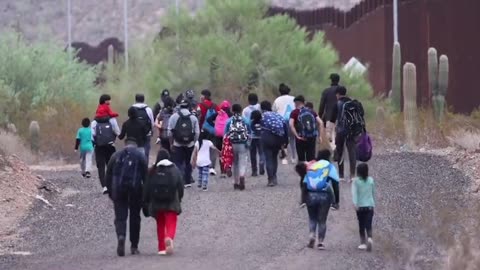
column 261, row 228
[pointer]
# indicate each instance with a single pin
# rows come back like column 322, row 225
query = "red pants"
column 166, row 227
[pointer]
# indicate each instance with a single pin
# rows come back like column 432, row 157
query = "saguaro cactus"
column 410, row 113
column 111, row 55
column 439, row 99
column 433, row 71
column 34, row 130
column 396, row 77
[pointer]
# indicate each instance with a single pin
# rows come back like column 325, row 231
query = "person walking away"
column 126, row 173
column 252, row 106
column 105, row 130
column 183, row 131
column 273, row 138
column 256, row 145
column 219, row 121
column 135, row 128
column 162, row 123
column 162, row 197
column 305, row 125
column 237, row 130
column 328, row 106
column 350, row 125
column 84, row 141
column 146, row 116
column 193, row 103
column 201, row 159
column 316, row 185
column 363, row 196
column 207, row 109
column 161, row 103
column 284, row 105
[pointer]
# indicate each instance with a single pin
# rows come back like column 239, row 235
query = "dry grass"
column 465, row 139
column 12, row 144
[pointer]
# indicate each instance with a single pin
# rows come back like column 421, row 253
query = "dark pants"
column 365, row 218
column 351, row 144
column 148, row 146
column 181, row 156
column 165, row 144
column 256, row 146
column 306, row 149
column 271, row 147
column 213, row 153
column 218, row 142
column 102, row 157
column 318, row 205
column 130, row 201
column 336, row 191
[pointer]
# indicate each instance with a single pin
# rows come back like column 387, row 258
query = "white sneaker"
column 294, row 161
column 187, row 186
column 284, row 161
column 212, row 171
column 105, row 190
column 169, row 245
column 158, row 141
column 362, row 247
column 162, row 253
column 369, row 244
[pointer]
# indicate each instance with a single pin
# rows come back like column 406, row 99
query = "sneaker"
column 105, row 190
column 187, row 186
column 335, row 207
column 294, row 161
column 84, row 175
column 362, row 247
column 284, row 162
column 223, row 175
column 205, row 189
column 242, row 183
column 169, row 246
column 369, row 244
column 162, row 252
column 321, row 246
column 262, row 171
column 302, row 205
column 199, row 185
column 270, row 184
column 212, row 171
column 254, row 174
column 236, row 186
column 229, row 173
column 121, row 246
column 311, row 242
column 157, row 141
column 135, row 251
column 88, row 175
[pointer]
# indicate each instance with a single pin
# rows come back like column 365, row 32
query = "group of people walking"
column 194, row 135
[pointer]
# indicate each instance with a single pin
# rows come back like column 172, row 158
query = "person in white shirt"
column 284, row 105
column 201, row 159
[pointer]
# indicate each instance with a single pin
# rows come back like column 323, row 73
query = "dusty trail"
column 261, row 228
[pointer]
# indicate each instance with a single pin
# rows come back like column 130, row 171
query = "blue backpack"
column 318, row 176
column 274, row 123
column 206, row 126
column 307, row 124
column 288, row 111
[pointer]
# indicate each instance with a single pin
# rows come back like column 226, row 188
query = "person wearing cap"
column 182, row 152
column 328, row 106
column 159, row 105
column 126, row 173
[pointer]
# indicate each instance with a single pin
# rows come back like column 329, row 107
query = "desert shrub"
column 231, row 47
column 42, row 82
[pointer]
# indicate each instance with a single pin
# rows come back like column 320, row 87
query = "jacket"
column 172, row 122
column 133, row 128
column 204, row 106
column 149, row 113
column 104, row 110
column 153, row 207
column 328, row 104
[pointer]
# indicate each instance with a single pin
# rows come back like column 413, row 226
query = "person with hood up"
column 284, row 105
column 161, row 103
column 162, row 196
column 134, row 128
column 219, row 121
column 145, row 115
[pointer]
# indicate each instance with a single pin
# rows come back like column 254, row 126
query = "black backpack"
column 104, row 134
column 162, row 186
column 183, row 132
column 142, row 116
column 352, row 122
column 125, row 172
column 238, row 132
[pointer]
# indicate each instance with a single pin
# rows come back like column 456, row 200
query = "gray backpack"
column 104, row 134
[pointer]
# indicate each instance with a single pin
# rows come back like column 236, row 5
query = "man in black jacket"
column 328, row 106
column 136, row 129
column 126, row 173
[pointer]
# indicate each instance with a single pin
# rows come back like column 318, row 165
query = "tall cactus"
column 396, row 77
column 443, row 72
column 433, row 71
column 110, row 55
column 34, row 130
column 410, row 112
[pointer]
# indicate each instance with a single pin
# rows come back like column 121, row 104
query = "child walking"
column 84, row 141
column 363, row 195
column 201, row 159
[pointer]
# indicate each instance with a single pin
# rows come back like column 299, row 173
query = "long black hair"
column 362, row 171
column 203, row 136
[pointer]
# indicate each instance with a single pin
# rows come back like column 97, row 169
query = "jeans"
column 256, row 146
column 271, row 146
column 351, row 144
column 240, row 153
column 365, row 218
column 306, row 149
column 203, row 173
column 318, row 205
column 147, row 147
column 129, row 201
column 166, row 227
column 292, row 145
column 181, row 156
column 86, row 161
column 102, row 157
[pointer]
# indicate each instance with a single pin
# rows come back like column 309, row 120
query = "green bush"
column 231, row 47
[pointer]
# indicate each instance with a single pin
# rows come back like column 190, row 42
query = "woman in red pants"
column 163, row 193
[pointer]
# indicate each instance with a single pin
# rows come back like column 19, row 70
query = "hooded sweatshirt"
column 249, row 109
column 204, row 106
column 281, row 104
column 149, row 113
column 133, row 128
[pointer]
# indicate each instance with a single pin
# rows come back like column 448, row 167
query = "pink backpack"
column 220, row 123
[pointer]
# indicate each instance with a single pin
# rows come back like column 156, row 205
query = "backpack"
column 220, row 123
column 274, row 123
column 288, row 111
column 184, row 132
column 307, row 124
column 104, row 134
column 352, row 123
column 206, row 126
column 162, row 186
column 318, row 176
column 164, row 116
column 143, row 117
column 125, row 171
column 238, row 132
column 364, row 148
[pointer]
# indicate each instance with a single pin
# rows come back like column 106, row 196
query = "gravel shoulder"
column 261, row 228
